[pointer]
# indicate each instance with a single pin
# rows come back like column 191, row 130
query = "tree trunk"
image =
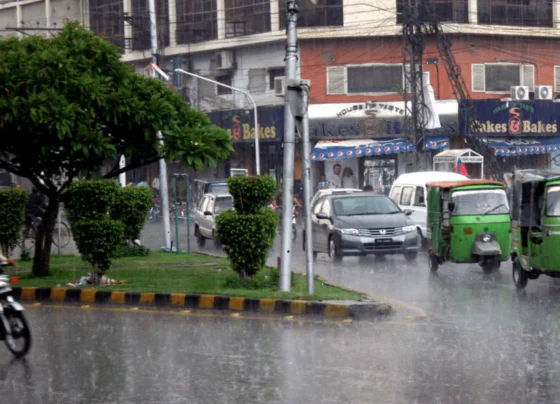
column 44, row 238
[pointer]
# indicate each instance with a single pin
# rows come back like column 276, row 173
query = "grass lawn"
column 177, row 273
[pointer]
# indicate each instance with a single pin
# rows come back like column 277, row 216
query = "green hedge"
column 248, row 232
column 132, row 207
column 90, row 206
column 12, row 216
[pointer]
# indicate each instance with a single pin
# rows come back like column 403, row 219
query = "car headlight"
column 352, row 232
column 408, row 229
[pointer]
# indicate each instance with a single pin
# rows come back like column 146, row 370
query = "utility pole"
column 162, row 165
column 289, row 148
column 307, row 189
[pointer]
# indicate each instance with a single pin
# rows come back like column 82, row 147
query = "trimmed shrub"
column 12, row 216
column 99, row 237
column 131, row 208
column 250, row 194
column 248, row 232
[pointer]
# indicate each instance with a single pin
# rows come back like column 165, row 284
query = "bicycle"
column 27, row 241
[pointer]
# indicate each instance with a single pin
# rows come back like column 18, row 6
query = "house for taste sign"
column 511, row 118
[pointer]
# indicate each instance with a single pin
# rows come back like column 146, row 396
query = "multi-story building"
column 353, row 53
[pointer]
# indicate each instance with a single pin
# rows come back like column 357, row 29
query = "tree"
column 69, row 105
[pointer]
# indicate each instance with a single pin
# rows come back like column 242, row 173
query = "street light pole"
column 248, row 95
column 162, row 165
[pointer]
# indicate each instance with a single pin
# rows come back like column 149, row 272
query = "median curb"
column 349, row 309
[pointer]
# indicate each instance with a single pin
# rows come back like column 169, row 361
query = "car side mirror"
column 322, row 215
column 451, row 206
column 408, row 212
column 207, row 213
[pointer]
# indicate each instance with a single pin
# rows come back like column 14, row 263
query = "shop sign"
column 355, row 128
column 512, row 118
column 240, row 123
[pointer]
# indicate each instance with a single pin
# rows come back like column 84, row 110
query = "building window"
column 140, row 22
column 444, row 10
column 274, row 73
column 197, row 21
column 105, row 19
column 317, row 13
column 224, row 90
column 500, row 77
column 528, row 13
column 365, row 79
column 247, row 17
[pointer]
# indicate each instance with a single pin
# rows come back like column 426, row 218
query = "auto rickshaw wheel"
column 490, row 265
column 433, row 263
column 519, row 275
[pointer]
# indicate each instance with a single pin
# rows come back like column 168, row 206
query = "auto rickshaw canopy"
column 536, row 175
column 464, row 183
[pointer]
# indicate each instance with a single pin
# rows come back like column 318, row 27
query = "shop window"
column 224, row 90
column 317, row 13
column 247, row 17
column 406, row 197
column 444, row 10
column 526, row 13
column 105, row 19
column 419, row 199
column 396, row 195
column 499, row 77
column 197, row 21
column 365, row 79
column 141, row 24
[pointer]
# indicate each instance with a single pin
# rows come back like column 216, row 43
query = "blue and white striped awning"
column 523, row 147
column 344, row 149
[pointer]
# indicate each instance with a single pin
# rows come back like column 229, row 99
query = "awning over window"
column 345, row 149
column 523, row 147
column 435, row 143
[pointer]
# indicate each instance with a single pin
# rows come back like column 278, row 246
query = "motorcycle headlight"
column 408, row 229
column 352, row 232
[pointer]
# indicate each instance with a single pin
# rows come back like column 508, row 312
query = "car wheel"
column 519, row 275
column 334, row 253
column 201, row 240
column 411, row 256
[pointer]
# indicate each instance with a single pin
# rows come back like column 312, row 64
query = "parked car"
column 361, row 224
column 409, row 192
column 323, row 192
column 205, row 217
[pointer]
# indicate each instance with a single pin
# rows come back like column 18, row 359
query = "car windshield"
column 223, row 204
column 364, row 205
column 553, row 201
column 480, row 202
column 218, row 189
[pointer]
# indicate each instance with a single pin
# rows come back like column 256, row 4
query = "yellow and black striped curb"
column 362, row 310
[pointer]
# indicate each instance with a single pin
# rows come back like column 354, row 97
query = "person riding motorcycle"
column 36, row 206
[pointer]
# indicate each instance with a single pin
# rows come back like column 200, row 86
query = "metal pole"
column 289, row 149
column 176, row 213
column 187, row 185
column 306, row 164
column 162, row 165
column 251, row 99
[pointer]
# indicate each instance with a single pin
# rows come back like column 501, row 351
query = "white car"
column 323, row 192
column 209, row 208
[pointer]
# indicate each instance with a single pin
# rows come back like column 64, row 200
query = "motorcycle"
column 294, row 227
column 155, row 213
column 13, row 325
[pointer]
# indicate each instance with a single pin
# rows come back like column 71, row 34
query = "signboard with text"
column 240, row 123
column 512, row 118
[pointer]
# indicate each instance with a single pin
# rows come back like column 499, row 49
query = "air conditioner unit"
column 224, row 59
column 519, row 93
column 543, row 93
column 279, row 86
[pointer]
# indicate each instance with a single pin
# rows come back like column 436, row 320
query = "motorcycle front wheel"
column 20, row 341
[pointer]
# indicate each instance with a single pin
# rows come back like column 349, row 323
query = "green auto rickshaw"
column 535, row 212
column 468, row 222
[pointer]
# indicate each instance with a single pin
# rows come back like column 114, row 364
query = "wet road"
column 482, row 342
